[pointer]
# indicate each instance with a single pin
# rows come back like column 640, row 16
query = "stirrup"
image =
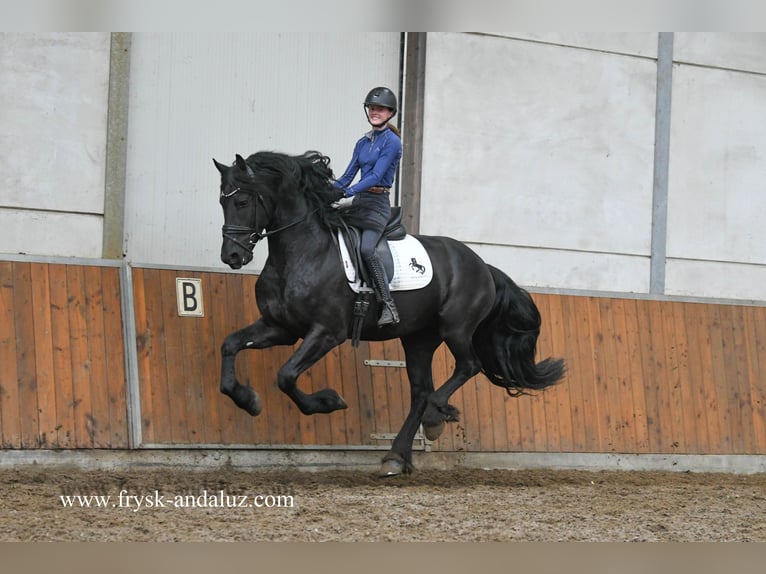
column 389, row 315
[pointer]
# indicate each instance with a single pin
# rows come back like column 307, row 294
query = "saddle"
column 352, row 237
column 394, row 231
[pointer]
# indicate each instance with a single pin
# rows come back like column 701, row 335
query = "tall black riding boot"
column 389, row 315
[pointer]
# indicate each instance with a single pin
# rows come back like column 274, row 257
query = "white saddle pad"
column 412, row 265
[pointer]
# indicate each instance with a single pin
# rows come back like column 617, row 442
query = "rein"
column 255, row 235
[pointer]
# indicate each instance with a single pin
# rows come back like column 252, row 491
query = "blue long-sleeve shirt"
column 376, row 154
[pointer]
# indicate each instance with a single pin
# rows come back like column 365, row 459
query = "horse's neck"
column 295, row 245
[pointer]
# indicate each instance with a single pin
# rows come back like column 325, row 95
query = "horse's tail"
column 505, row 341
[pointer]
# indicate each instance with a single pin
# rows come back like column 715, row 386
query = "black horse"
column 488, row 323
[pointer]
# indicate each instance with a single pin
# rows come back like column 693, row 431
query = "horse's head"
column 246, row 199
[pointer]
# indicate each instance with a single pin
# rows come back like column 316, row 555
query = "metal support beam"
column 132, row 383
column 116, row 146
column 661, row 163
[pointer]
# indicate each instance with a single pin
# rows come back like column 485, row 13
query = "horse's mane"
column 308, row 174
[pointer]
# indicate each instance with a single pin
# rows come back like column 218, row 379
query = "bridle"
column 254, row 235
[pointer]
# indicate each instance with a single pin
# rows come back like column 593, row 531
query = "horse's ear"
column 221, row 168
column 241, row 164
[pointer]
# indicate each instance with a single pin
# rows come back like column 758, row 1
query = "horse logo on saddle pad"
column 406, row 261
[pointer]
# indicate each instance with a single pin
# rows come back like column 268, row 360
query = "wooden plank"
column 380, row 398
column 636, row 375
column 78, row 343
column 587, row 351
column 719, row 379
column 675, row 372
column 483, row 391
column 99, row 415
column 175, row 360
column 664, row 434
column 116, row 383
column 62, row 358
column 619, row 364
column 575, row 374
column 397, row 384
column 548, row 398
column 46, row 389
column 743, row 374
column 701, row 355
column 470, row 419
column 191, row 332
column 560, row 394
column 210, row 344
column 696, row 434
column 365, row 392
column 694, row 391
column 755, row 337
column 160, row 397
column 352, row 415
column 10, row 423
column 612, row 385
column 337, row 419
column 25, row 354
column 739, row 387
column 221, row 328
column 144, row 344
column 652, row 375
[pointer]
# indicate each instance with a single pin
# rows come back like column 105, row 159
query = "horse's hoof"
column 433, row 432
column 391, row 467
column 254, row 407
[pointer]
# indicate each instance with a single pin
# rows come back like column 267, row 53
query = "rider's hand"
column 343, row 203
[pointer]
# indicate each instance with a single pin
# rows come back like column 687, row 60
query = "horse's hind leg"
column 259, row 335
column 438, row 410
column 419, row 351
column 315, row 345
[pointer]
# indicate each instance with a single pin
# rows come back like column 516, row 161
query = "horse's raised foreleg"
column 315, row 345
column 259, row 335
column 419, row 351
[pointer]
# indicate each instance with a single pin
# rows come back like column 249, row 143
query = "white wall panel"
column 50, row 233
column 199, row 96
column 633, row 43
column 737, row 50
column 533, row 145
column 53, row 108
column 716, row 279
column 717, row 180
column 569, row 269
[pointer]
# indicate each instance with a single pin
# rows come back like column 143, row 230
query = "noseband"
column 254, row 235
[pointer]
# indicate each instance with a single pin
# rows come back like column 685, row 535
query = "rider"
column 377, row 155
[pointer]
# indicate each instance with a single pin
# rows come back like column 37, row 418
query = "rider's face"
column 379, row 115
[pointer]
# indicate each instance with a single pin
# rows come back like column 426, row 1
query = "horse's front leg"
column 315, row 345
column 259, row 335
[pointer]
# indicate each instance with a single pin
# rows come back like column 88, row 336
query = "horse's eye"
column 242, row 203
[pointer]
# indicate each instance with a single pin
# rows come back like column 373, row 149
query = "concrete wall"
column 717, row 187
column 53, row 112
column 198, row 96
column 539, row 150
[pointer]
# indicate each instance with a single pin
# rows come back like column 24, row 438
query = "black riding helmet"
column 380, row 96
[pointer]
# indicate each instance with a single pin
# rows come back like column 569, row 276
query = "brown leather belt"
column 378, row 189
